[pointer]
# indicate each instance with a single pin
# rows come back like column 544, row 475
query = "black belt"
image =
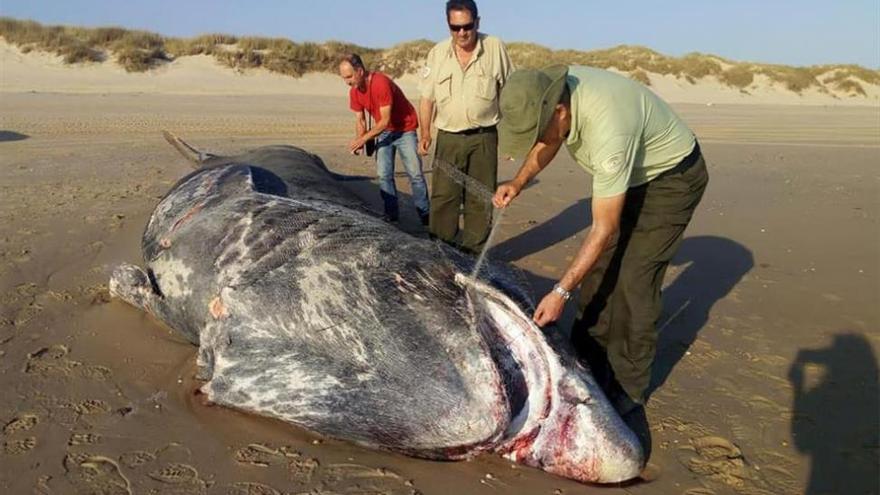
column 686, row 162
column 475, row 130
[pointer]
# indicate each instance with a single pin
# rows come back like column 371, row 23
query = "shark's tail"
column 198, row 158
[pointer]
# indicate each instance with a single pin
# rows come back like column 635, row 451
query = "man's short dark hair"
column 468, row 5
column 354, row 59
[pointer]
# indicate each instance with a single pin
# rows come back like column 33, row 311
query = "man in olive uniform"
column 648, row 177
column 459, row 90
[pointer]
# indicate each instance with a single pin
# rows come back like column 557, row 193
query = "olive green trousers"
column 475, row 154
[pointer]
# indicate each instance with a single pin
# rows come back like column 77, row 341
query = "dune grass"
column 139, row 51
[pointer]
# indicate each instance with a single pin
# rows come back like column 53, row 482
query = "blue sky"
column 794, row 32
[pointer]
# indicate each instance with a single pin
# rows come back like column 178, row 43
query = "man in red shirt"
column 395, row 127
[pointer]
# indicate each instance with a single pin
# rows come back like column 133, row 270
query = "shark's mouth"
column 518, row 348
column 561, row 421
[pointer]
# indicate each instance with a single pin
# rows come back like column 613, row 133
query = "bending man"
column 394, row 131
column 648, row 177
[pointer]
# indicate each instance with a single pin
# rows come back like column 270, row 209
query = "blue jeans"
column 388, row 143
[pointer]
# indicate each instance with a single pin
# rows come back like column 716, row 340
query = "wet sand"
column 767, row 376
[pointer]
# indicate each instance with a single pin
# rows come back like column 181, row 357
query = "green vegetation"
column 850, row 87
column 139, row 51
column 739, row 76
column 640, row 76
column 401, row 59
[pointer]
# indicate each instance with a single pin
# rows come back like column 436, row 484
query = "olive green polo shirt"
column 621, row 132
column 465, row 98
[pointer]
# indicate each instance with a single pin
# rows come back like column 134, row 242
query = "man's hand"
column 355, row 145
column 505, row 194
column 424, row 144
column 549, row 310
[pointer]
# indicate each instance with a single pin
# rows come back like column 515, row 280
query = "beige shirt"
column 465, row 98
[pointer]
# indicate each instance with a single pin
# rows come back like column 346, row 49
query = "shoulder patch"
column 612, row 164
column 425, row 72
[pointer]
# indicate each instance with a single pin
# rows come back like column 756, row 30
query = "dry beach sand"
column 779, row 271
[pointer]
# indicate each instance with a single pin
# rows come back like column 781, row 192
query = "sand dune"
column 203, row 75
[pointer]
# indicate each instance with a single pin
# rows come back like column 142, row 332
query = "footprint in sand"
column 163, row 471
column 179, row 478
column 258, row 454
column 90, row 406
column 84, row 439
column 20, row 446
column 95, row 474
column 71, row 412
column 299, row 469
column 53, row 361
column 135, row 459
column 49, row 361
column 175, row 474
column 302, row 470
column 718, row 460
column 339, row 478
column 251, row 488
column 26, row 314
column 671, row 423
column 23, row 300
column 22, row 422
column 357, row 478
column 698, row 491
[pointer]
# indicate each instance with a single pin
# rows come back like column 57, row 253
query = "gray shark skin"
column 307, row 308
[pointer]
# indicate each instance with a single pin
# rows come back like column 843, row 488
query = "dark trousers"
column 474, row 153
column 619, row 301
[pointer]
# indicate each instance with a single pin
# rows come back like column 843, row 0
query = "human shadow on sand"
column 12, row 136
column 836, row 417
column 714, row 266
column 567, row 223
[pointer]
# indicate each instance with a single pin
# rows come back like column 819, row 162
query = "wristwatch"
column 566, row 295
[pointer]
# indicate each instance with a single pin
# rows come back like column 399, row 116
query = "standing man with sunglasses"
column 459, row 86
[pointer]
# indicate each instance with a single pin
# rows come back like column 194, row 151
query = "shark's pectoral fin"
column 132, row 284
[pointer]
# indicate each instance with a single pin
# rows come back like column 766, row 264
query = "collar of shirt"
column 478, row 50
column 574, row 132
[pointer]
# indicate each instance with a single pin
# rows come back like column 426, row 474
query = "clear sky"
column 792, row 32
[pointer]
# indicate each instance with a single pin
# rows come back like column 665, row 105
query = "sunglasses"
column 464, row 27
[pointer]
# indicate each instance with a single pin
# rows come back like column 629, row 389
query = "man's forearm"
column 426, row 116
column 538, row 158
column 375, row 130
column 591, row 249
column 360, row 127
column 607, row 212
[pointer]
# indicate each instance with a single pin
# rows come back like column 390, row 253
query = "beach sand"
column 778, row 271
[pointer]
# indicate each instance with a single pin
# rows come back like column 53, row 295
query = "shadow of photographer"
column 836, row 418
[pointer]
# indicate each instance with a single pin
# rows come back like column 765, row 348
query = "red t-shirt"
column 381, row 92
